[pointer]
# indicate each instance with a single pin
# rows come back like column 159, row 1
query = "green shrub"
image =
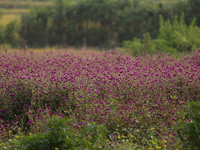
column 2, row 34
column 188, row 127
column 33, row 27
column 1, row 30
column 134, row 47
column 173, row 37
column 178, row 35
column 62, row 134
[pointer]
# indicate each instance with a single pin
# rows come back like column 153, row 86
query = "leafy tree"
column 33, row 27
column 9, row 32
column 57, row 25
column 1, row 30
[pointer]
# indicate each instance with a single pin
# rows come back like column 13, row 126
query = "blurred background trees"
column 98, row 23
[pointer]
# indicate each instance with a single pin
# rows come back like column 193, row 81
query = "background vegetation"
column 96, row 23
column 173, row 37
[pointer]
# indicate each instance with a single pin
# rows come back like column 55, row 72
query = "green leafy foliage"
column 189, row 126
column 1, row 34
column 194, row 11
column 173, row 37
column 1, row 30
column 178, row 35
column 1, row 14
column 34, row 24
column 10, row 34
column 62, row 134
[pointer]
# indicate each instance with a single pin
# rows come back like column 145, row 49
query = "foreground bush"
column 60, row 133
column 189, row 126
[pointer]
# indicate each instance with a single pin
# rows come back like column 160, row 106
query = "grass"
column 11, row 15
column 105, row 100
column 15, row 11
column 6, row 18
column 23, row 4
column 168, row 2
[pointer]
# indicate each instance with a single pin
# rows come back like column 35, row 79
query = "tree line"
column 93, row 22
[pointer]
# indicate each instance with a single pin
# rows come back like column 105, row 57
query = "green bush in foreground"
column 62, row 134
column 173, row 37
column 189, row 132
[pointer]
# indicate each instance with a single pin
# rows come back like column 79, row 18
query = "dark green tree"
column 195, row 10
column 57, row 25
column 9, row 33
column 33, row 27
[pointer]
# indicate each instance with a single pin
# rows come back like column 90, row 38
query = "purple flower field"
column 128, row 95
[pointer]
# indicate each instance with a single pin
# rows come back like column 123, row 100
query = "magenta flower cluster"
column 109, row 88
